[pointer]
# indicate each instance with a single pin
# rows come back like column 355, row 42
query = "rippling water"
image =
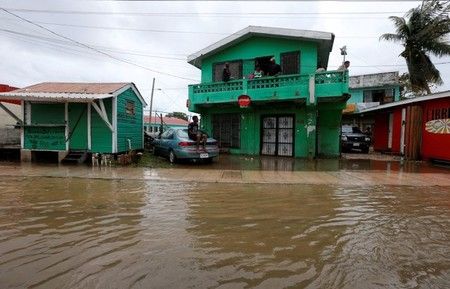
column 86, row 233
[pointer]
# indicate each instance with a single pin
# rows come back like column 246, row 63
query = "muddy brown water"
column 94, row 233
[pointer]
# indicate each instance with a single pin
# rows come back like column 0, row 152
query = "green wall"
column 78, row 132
column 101, row 135
column 250, row 135
column 129, row 126
column 259, row 47
column 329, row 128
column 47, row 130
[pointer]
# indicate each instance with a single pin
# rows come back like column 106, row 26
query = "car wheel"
column 172, row 157
column 365, row 151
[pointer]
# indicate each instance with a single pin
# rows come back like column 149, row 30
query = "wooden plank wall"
column 413, row 132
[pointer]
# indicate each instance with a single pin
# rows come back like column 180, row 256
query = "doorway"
column 390, row 130
column 264, row 63
column 277, row 136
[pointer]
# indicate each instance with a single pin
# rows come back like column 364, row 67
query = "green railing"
column 283, row 87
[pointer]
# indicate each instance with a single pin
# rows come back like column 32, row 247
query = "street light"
column 343, row 51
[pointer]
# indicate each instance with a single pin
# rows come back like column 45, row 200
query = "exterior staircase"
column 75, row 157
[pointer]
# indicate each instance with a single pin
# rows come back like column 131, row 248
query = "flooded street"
column 80, row 232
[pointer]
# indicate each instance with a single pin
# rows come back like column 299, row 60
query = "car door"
column 165, row 142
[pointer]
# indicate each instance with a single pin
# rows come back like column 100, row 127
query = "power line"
column 159, row 30
column 57, row 41
column 195, row 14
column 116, row 50
column 95, row 49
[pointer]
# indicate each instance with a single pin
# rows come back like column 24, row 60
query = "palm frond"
column 392, row 37
column 439, row 48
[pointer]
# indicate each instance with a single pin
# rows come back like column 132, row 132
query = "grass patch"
column 148, row 160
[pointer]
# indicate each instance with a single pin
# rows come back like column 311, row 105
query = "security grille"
column 235, row 70
column 226, row 130
column 278, row 136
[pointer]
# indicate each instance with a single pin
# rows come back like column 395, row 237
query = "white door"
column 391, row 128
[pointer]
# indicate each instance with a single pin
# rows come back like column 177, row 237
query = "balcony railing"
column 283, row 87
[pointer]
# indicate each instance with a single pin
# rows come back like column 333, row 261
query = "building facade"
column 9, row 109
column 417, row 128
column 370, row 90
column 60, row 118
column 295, row 114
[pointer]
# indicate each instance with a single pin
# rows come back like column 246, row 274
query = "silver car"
column 175, row 144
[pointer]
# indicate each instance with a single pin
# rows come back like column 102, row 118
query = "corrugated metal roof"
column 73, row 87
column 167, row 120
column 69, row 91
column 324, row 39
column 436, row 95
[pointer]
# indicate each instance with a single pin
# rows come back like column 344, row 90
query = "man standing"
column 226, row 74
column 274, row 68
column 344, row 66
column 195, row 134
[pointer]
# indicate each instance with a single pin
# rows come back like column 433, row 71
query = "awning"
column 51, row 97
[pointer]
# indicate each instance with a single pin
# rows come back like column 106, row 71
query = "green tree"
column 177, row 114
column 423, row 33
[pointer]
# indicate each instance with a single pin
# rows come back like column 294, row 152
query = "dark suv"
column 353, row 139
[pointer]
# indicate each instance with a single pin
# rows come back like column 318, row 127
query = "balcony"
column 328, row 84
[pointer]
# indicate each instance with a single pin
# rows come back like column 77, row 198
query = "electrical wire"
column 95, row 49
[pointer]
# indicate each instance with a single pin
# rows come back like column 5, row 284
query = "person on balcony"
column 274, row 68
column 226, row 74
column 195, row 134
column 344, row 66
column 258, row 72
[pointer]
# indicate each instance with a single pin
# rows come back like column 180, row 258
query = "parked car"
column 353, row 139
column 175, row 144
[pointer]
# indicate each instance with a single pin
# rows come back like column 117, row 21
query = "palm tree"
column 423, row 33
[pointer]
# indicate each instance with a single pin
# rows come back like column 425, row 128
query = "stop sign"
column 244, row 101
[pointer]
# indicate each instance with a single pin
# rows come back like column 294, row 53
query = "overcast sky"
column 160, row 35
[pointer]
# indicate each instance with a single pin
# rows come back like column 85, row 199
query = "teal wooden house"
column 295, row 114
column 62, row 119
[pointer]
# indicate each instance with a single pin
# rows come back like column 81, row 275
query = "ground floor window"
column 277, row 136
column 226, row 129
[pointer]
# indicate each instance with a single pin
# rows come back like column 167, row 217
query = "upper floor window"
column 290, row 62
column 379, row 95
column 129, row 107
column 235, row 70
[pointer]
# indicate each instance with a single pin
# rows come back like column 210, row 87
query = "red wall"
column 6, row 88
column 435, row 146
column 381, row 131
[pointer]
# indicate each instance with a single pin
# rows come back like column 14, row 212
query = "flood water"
column 94, row 233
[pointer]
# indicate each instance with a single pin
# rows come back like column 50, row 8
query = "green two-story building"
column 296, row 114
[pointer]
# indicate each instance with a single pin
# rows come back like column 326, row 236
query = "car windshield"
column 349, row 129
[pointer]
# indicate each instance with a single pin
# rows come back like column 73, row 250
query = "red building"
column 417, row 128
column 6, row 88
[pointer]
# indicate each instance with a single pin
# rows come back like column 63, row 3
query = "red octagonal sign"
column 244, row 101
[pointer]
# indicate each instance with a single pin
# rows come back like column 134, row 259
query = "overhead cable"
column 95, row 49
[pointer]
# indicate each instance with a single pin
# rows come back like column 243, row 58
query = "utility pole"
column 151, row 100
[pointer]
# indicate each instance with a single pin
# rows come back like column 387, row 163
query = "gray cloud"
column 27, row 60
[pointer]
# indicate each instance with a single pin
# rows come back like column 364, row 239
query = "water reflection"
column 94, row 233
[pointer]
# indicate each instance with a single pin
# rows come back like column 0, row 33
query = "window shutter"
column 290, row 62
